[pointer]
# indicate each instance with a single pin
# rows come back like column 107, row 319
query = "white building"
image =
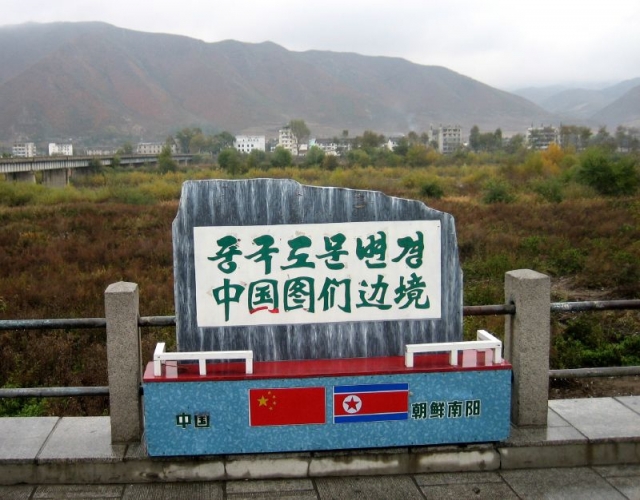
column 286, row 139
column 60, row 149
column 448, row 137
column 247, row 143
column 101, row 151
column 393, row 142
column 329, row 146
column 23, row 149
column 153, row 148
column 541, row 137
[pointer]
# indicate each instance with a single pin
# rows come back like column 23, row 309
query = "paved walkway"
column 589, row 449
column 582, row 483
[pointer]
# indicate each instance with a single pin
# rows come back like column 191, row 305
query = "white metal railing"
column 484, row 341
column 160, row 357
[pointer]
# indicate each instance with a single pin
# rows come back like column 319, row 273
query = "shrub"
column 165, row 161
column 608, row 175
column 432, row 189
column 497, row 191
column 17, row 194
column 281, row 158
column 549, row 189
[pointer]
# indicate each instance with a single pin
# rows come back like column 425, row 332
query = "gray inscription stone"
column 277, row 201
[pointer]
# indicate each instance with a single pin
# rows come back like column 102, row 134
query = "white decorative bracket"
column 160, row 357
column 484, row 341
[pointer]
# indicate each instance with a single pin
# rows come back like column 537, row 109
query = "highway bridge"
column 56, row 170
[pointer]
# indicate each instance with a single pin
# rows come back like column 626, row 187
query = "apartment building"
column 247, row 143
column 60, row 149
column 329, row 146
column 448, row 138
column 153, row 148
column 540, row 137
column 286, row 139
column 23, row 150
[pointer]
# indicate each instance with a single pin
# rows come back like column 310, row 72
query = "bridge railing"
column 527, row 312
column 170, row 321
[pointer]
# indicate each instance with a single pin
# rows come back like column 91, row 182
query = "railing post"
column 527, row 336
column 121, row 302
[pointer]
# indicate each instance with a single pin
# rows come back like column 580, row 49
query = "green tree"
column 314, row 157
column 608, row 175
column 300, row 133
column 358, row 157
column 95, row 166
column 258, row 159
column 184, row 136
column 281, row 157
column 166, row 163
column 627, row 138
column 474, row 138
column 230, row 161
column 222, row 141
column 115, row 161
column 485, row 142
column 127, row 148
column 330, row 162
column 199, row 143
column 370, row 140
column 418, row 156
column 574, row 136
column 603, row 140
column 516, row 143
column 402, row 147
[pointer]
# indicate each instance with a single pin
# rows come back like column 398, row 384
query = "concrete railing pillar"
column 121, row 302
column 527, row 336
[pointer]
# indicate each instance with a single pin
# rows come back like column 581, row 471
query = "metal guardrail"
column 160, row 321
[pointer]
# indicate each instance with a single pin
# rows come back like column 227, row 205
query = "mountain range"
column 610, row 106
column 94, row 80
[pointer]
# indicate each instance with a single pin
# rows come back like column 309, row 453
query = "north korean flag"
column 287, row 406
column 370, row 403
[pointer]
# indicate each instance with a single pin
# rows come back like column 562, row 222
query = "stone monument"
column 277, row 203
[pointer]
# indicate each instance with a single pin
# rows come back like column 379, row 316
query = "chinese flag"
column 287, row 406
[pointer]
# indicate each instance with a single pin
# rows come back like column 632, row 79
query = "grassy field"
column 61, row 248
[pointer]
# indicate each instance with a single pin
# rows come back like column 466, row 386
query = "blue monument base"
column 326, row 404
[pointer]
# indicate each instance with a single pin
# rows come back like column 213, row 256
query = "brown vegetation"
column 58, row 259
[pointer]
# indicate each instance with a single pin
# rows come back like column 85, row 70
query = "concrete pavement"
column 589, row 449
column 579, row 483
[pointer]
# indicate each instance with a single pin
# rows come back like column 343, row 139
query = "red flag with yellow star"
column 287, row 406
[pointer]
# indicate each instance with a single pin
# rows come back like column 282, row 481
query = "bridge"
column 56, row 170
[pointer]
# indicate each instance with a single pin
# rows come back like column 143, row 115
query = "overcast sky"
column 508, row 44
